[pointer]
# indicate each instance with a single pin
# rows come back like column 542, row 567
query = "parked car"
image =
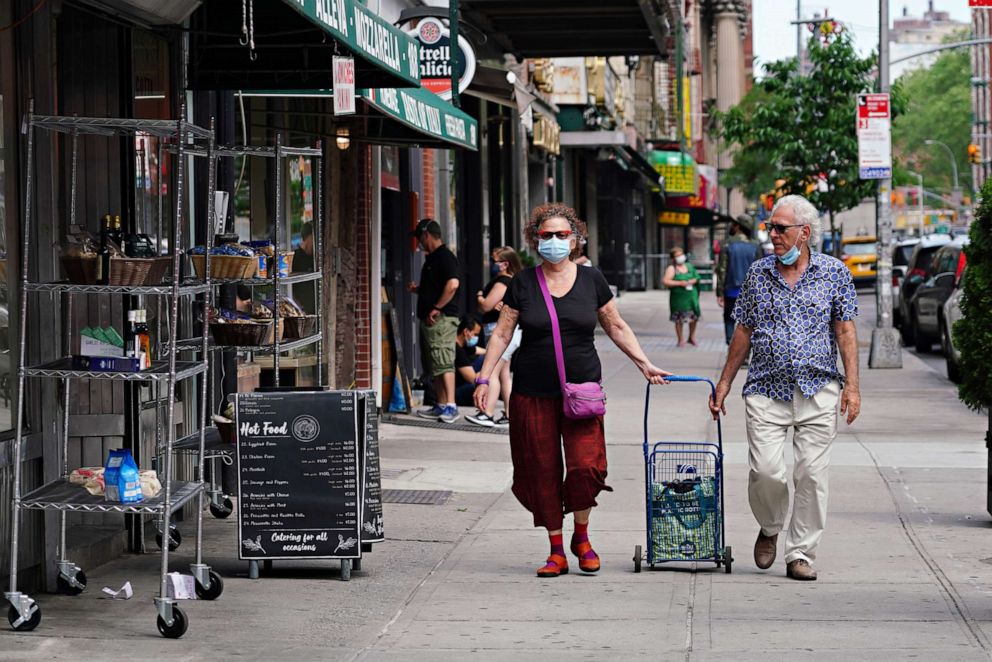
column 902, row 251
column 926, row 308
column 952, row 313
column 859, row 254
column 916, row 271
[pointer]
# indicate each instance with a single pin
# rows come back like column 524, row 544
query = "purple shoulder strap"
column 555, row 331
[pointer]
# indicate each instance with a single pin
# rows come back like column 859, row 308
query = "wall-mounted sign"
column 344, row 85
column 669, row 217
column 547, row 134
column 874, row 126
column 435, row 58
column 570, row 81
column 678, row 169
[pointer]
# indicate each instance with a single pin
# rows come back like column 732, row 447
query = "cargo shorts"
column 437, row 345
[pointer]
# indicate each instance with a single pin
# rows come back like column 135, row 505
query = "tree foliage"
column 799, row 126
column 973, row 332
column 938, row 102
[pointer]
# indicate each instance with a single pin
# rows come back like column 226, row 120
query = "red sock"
column 557, row 544
column 581, row 533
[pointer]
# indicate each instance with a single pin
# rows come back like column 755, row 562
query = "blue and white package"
column 122, row 481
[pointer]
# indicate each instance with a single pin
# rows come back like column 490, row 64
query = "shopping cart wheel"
column 175, row 538
column 13, row 616
column 728, row 559
column 67, row 588
column 178, row 627
column 638, row 556
column 222, row 510
column 215, row 589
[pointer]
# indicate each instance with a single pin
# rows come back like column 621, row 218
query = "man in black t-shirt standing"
column 438, row 314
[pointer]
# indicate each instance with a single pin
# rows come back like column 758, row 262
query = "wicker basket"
column 300, row 327
column 80, row 269
column 248, row 334
column 124, row 271
column 226, row 266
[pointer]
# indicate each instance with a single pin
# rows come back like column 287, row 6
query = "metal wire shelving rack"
column 188, row 140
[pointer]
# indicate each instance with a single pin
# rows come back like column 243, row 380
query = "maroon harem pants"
column 546, row 485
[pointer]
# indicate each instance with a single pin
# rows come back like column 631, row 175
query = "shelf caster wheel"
column 213, row 591
column 72, row 587
column 345, row 570
column 13, row 616
column 222, row 510
column 728, row 559
column 638, row 555
column 175, row 538
column 356, row 565
column 178, row 627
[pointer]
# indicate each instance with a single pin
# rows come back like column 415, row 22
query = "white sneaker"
column 481, row 418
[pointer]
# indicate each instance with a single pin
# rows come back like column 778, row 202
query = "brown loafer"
column 801, row 570
column 764, row 550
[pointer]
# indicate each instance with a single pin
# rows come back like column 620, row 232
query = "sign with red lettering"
column 344, row 85
column 874, row 129
column 980, row 4
column 435, row 57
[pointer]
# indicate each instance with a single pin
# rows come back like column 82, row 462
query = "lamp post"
column 919, row 195
column 954, row 167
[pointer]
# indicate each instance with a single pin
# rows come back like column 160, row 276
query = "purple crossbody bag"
column 579, row 401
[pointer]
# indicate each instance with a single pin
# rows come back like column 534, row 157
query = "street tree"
column 973, row 332
column 938, row 103
column 803, row 126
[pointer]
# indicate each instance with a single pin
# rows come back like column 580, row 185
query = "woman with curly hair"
column 539, row 431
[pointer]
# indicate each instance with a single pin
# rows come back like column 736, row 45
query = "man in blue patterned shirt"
column 795, row 309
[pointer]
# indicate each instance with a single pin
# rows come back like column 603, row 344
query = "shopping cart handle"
column 685, row 378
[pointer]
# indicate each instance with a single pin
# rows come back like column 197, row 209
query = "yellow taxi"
column 859, row 254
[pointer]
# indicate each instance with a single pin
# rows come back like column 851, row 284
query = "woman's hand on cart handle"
column 717, row 399
column 654, row 374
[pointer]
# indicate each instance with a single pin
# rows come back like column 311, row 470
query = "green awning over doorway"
column 421, row 118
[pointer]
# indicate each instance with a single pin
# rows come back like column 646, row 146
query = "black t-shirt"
column 463, row 359
column 439, row 267
column 535, row 369
column 493, row 315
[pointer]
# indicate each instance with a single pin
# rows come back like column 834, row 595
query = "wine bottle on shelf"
column 103, row 256
column 117, row 235
column 131, row 346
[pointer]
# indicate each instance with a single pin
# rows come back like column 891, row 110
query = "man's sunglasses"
column 779, row 228
column 561, row 234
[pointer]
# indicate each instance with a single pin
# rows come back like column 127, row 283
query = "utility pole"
column 886, row 350
column 799, row 35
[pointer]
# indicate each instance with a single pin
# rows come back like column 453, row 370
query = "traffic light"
column 974, row 153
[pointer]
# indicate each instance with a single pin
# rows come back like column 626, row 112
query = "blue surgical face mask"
column 473, row 341
column 790, row 256
column 495, row 269
column 554, row 250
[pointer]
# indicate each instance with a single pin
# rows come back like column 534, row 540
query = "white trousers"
column 815, row 423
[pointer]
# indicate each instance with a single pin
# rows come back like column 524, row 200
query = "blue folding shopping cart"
column 684, row 495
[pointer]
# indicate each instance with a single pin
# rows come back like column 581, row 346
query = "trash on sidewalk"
column 123, row 593
column 181, row 587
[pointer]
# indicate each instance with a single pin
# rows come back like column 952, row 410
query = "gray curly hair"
column 805, row 213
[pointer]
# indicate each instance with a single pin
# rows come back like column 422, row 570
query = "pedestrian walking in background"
column 539, row 430
column 489, row 300
column 736, row 257
column 467, row 355
column 438, row 315
column 795, row 309
column 680, row 278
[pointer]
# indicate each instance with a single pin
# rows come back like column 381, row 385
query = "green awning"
column 421, row 118
column 366, row 35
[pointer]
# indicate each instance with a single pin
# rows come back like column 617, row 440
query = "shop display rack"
column 187, row 140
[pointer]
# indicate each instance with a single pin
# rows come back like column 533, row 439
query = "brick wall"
column 363, row 292
column 430, row 190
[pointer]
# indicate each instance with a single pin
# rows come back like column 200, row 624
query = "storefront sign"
column 435, row 58
column 669, row 217
column 874, row 127
column 547, row 134
column 299, row 488
column 372, row 522
column 428, row 113
column 570, row 81
column 678, row 169
column 367, row 35
column 344, row 85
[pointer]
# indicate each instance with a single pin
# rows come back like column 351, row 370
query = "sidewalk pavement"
column 904, row 566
